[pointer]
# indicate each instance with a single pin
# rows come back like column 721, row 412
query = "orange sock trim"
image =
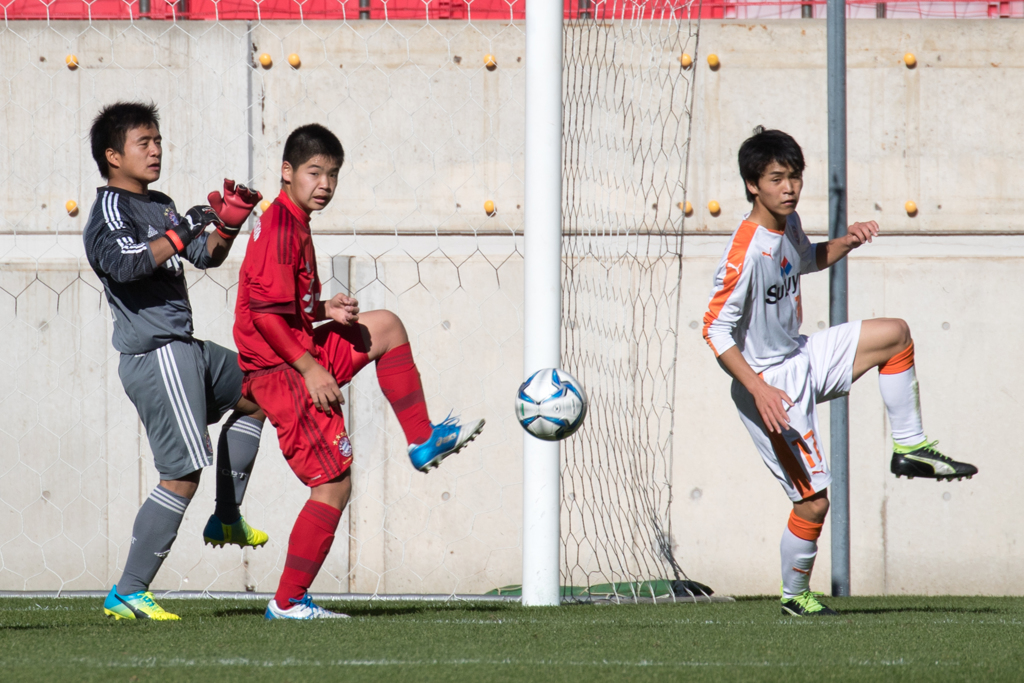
column 801, row 528
column 901, row 362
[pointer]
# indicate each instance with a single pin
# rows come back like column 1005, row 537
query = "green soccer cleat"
column 924, row 460
column 240, row 533
column 140, row 605
column 806, row 605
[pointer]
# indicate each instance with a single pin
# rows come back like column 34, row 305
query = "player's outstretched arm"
column 857, row 234
column 771, row 402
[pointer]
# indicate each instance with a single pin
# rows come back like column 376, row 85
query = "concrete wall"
column 429, row 137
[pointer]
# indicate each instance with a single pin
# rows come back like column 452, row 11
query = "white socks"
column 798, row 555
column 897, row 381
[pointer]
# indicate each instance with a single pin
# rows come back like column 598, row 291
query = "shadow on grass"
column 924, row 610
column 397, row 609
column 380, row 609
column 240, row 611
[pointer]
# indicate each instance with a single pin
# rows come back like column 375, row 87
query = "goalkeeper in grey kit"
column 135, row 241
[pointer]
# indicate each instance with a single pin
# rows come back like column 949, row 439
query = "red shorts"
column 315, row 445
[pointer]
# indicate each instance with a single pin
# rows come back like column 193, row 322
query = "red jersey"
column 278, row 276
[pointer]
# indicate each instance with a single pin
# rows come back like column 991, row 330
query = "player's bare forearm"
column 218, row 248
column 736, row 365
column 829, row 253
column 771, row 402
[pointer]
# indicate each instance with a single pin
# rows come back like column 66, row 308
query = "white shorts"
column 821, row 369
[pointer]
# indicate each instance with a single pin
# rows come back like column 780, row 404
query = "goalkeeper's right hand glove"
column 192, row 225
column 234, row 207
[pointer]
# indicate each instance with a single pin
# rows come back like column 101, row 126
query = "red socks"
column 308, row 546
column 400, row 381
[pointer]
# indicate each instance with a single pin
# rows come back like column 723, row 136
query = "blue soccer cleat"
column 446, row 439
column 300, row 610
column 140, row 605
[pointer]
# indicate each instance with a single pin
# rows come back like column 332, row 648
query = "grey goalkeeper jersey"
column 149, row 302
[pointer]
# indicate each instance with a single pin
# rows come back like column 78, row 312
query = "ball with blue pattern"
column 551, row 404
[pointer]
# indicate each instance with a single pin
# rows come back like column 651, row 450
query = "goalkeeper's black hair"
column 111, row 126
column 762, row 148
column 312, row 140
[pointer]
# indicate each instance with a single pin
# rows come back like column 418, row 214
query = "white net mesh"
column 626, row 138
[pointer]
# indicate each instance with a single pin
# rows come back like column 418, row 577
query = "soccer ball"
column 551, row 404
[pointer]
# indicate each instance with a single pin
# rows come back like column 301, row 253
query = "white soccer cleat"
column 300, row 610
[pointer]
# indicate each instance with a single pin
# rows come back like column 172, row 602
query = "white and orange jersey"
column 755, row 303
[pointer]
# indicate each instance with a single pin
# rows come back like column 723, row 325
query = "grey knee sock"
column 156, row 527
column 236, row 453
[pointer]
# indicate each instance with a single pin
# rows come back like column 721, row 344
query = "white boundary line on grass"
column 177, row 662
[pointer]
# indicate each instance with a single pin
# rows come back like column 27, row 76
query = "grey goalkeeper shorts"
column 178, row 390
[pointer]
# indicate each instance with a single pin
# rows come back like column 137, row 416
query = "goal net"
column 432, row 132
column 627, row 116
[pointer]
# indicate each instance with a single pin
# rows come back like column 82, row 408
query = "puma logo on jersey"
column 767, row 253
column 736, row 268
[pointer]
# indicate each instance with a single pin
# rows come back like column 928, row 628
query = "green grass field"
column 891, row 639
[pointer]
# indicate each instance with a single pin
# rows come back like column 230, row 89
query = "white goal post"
column 542, row 296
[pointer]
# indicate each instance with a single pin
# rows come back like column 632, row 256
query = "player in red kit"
column 294, row 371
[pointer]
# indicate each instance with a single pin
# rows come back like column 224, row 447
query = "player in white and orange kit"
column 753, row 326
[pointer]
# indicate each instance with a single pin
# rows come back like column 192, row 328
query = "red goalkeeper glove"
column 234, row 207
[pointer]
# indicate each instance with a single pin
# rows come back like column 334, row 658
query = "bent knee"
column 386, row 329
column 897, row 334
column 813, row 509
column 901, row 333
column 392, row 325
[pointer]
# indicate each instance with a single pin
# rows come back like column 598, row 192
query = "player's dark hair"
column 762, row 148
column 312, row 140
column 111, row 126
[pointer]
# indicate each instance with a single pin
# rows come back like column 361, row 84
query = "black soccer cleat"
column 926, row 461
column 806, row 605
